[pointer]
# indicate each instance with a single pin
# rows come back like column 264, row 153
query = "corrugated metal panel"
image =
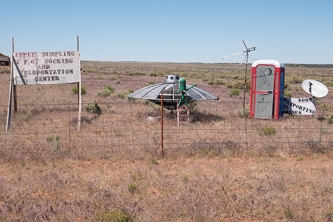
column 152, row 92
column 145, row 93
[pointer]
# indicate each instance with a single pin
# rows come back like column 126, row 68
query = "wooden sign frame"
column 34, row 68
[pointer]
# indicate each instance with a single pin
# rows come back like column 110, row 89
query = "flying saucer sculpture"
column 169, row 90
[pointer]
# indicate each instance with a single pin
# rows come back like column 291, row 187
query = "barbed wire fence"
column 47, row 117
column 123, row 130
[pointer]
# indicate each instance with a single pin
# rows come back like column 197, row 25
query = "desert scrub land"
column 223, row 166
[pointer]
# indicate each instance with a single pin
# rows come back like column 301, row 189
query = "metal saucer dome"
column 169, row 90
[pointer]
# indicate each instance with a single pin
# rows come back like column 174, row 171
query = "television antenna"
column 245, row 53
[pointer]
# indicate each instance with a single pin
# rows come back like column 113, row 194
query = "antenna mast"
column 247, row 59
column 246, row 52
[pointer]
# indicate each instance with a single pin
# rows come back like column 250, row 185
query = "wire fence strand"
column 126, row 131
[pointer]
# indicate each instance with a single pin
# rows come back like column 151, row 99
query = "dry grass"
column 221, row 167
column 195, row 189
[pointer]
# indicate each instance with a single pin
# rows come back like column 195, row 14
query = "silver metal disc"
column 315, row 88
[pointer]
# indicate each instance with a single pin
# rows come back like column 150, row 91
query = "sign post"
column 10, row 92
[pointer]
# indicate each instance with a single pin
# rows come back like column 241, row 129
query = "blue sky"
column 292, row 31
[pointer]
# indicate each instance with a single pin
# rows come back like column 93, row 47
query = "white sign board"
column 299, row 106
column 31, row 68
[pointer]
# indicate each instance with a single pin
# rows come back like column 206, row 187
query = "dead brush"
column 214, row 169
column 270, row 150
column 233, row 149
column 317, row 147
column 203, row 148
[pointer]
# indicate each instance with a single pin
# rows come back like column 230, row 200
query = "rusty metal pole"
column 162, row 125
column 247, row 58
column 69, row 130
column 245, row 117
column 79, row 85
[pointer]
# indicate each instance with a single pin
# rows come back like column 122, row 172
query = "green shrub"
column 124, row 95
column 106, row 91
column 326, row 107
column 328, row 83
column 216, row 82
column 151, row 83
column 238, row 85
column 113, row 216
column 243, row 114
column 56, row 143
column 287, row 85
column 136, row 176
column 134, row 73
column 129, row 98
column 155, row 107
column 132, row 187
column 4, row 71
column 75, row 90
column 49, row 139
column 120, row 95
column 329, row 118
column 153, row 161
column 234, row 92
column 229, row 85
column 205, row 79
column 153, row 74
column 287, row 94
column 110, row 88
column 289, row 214
column 268, row 130
column 295, row 79
column 146, row 102
column 87, row 71
column 93, row 107
column 193, row 106
column 157, row 73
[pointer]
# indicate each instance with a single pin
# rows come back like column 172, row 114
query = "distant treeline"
column 310, row 65
column 299, row 65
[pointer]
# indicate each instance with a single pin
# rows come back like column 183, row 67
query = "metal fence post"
column 69, row 130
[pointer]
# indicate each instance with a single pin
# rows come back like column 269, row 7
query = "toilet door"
column 264, row 99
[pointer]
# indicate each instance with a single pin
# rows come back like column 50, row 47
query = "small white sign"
column 32, row 68
column 299, row 106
